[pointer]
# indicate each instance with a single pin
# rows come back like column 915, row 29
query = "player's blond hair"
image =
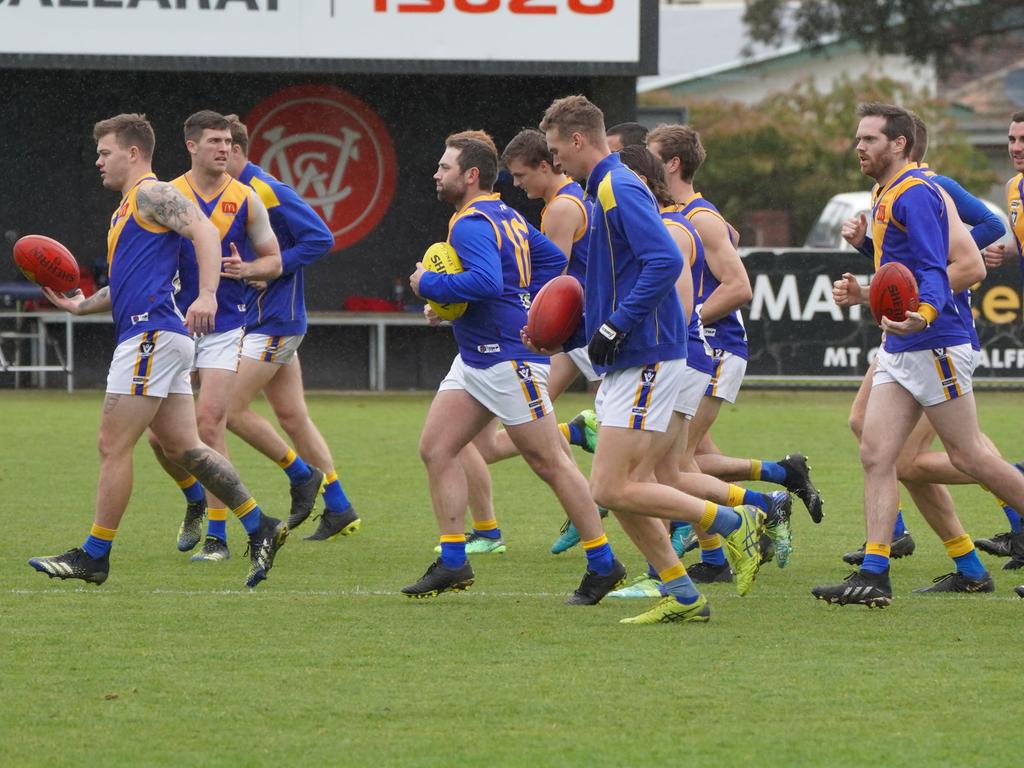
column 680, row 141
column 130, row 129
column 574, row 114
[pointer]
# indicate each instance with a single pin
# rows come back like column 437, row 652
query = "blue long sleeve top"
column 632, row 269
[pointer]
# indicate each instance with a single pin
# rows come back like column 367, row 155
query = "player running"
column 494, row 374
column 148, row 384
column 564, row 221
column 922, row 471
column 926, row 361
column 637, row 331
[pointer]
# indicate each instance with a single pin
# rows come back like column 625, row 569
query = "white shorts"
column 729, row 371
column 270, row 349
column 581, row 360
column 515, row 393
column 640, row 398
column 695, row 384
column 154, row 363
column 219, row 350
column 932, row 376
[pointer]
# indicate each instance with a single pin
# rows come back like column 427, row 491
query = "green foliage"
column 794, row 150
column 925, row 30
column 174, row 663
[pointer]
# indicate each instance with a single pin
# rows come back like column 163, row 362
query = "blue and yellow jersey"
column 228, row 209
column 727, row 333
column 1015, row 210
column 697, row 353
column 504, row 260
column 632, row 269
column 580, row 246
column 909, row 225
column 280, row 308
column 141, row 261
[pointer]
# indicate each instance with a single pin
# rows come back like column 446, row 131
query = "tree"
column 925, row 30
column 793, row 151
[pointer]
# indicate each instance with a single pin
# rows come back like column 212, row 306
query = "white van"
column 827, row 230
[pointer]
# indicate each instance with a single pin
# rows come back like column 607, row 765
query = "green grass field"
column 176, row 663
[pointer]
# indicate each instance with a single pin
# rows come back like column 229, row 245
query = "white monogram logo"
column 310, row 173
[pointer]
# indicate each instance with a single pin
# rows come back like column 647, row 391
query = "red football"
column 46, row 262
column 556, row 312
column 893, row 292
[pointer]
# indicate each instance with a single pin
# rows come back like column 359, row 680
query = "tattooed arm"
column 77, row 304
column 160, row 203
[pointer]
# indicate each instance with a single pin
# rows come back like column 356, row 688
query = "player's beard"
column 452, row 194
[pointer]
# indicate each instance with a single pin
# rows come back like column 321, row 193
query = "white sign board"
column 568, row 31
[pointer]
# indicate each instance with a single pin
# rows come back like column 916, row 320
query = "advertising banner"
column 332, row 35
column 795, row 330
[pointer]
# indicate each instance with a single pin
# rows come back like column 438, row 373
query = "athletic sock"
column 769, row 471
column 192, row 489
column 488, row 529
column 876, row 557
column 453, row 550
column 248, row 512
column 1012, row 515
column 297, row 470
column 216, row 523
column 675, row 582
column 711, row 551
column 573, row 434
column 899, row 528
column 962, row 550
column 99, row 542
column 653, row 572
column 599, row 555
column 745, row 496
column 335, row 499
column 719, row 519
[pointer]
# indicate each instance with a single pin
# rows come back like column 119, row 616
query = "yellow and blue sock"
column 487, row 528
column 453, row 550
column 573, row 433
column 675, row 582
column 248, row 512
column 599, row 555
column 711, row 551
column 335, row 499
column 192, row 489
column 99, row 542
column 769, row 471
column 962, row 550
column 297, row 470
column 216, row 523
column 739, row 495
column 876, row 557
column 719, row 519
column 653, row 572
column 899, row 528
column 1012, row 515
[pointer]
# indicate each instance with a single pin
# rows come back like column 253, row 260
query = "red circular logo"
column 333, row 149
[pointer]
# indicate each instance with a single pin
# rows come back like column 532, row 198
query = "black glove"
column 604, row 345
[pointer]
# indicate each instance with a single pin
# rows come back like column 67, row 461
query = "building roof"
column 698, row 40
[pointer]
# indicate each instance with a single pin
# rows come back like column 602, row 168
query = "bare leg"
column 124, row 419
column 175, row 428
column 454, row 418
column 542, row 447
column 891, row 414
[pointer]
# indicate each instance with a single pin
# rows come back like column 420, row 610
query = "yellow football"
column 442, row 258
